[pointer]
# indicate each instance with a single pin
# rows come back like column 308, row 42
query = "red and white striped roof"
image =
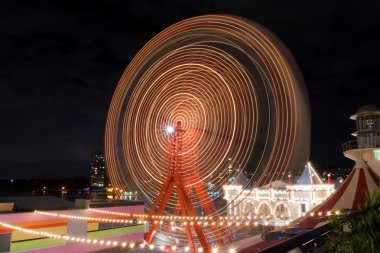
column 361, row 180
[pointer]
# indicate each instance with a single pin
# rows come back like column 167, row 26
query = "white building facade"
column 278, row 200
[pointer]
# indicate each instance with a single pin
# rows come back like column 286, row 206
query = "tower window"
column 369, row 123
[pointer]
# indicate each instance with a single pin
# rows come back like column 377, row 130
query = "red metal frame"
column 176, row 181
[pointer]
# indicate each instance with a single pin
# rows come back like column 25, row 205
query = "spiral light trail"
column 237, row 92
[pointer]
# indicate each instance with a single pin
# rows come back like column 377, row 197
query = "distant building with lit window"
column 98, row 171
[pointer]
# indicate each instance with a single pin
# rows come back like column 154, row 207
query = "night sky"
column 60, row 62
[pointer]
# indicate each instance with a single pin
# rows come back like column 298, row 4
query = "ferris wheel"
column 202, row 95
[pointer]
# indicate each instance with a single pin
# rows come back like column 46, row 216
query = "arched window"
column 281, row 210
column 264, row 209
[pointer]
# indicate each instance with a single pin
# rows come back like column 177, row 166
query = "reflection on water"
column 67, row 194
column 72, row 195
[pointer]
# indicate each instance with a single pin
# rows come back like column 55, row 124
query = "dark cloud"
column 60, row 62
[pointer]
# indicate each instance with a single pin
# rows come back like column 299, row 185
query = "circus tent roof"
column 361, row 180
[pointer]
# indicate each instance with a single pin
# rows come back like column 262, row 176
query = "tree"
column 357, row 235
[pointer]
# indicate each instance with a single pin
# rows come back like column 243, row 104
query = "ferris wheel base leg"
column 186, row 207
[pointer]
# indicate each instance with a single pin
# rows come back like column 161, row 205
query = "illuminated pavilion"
column 279, row 201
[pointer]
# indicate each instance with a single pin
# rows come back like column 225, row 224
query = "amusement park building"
column 279, row 199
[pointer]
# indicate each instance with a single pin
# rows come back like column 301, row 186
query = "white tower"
column 367, row 146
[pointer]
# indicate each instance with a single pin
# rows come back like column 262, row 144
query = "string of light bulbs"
column 133, row 244
column 101, row 242
column 173, row 224
column 255, row 221
column 212, row 218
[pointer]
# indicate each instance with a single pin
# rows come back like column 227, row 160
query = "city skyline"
column 61, row 61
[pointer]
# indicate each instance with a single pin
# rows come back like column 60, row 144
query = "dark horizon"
column 60, row 62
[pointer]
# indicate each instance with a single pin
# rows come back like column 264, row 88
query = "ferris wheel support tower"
column 176, row 182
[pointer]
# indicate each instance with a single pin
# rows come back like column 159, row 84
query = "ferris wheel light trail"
column 236, row 91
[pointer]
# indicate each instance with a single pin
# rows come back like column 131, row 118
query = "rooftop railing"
column 350, row 145
column 366, row 143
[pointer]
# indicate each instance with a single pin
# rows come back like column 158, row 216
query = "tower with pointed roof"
column 309, row 176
